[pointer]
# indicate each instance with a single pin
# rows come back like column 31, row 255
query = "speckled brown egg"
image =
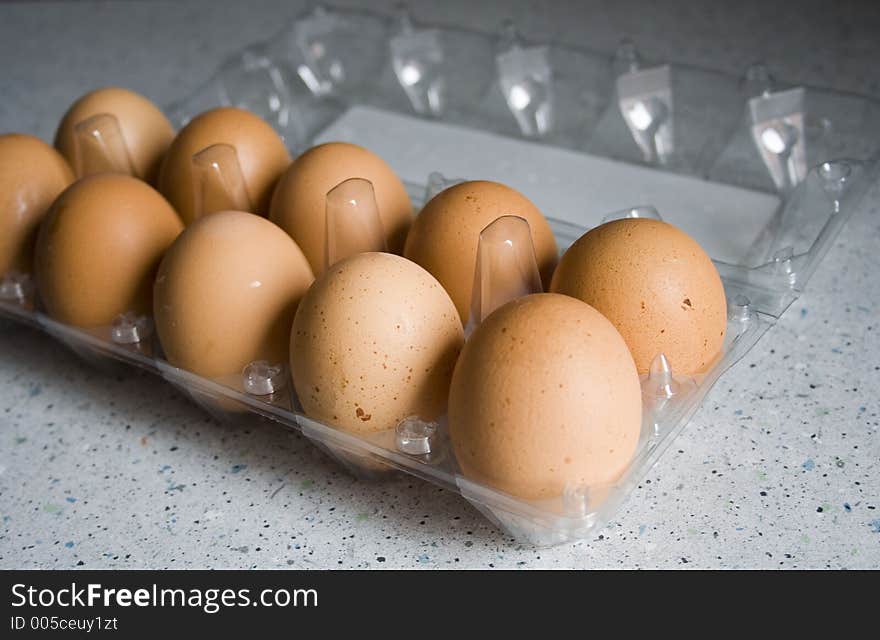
column 32, row 174
column 226, row 293
column 374, row 341
column 145, row 131
column 260, row 153
column 545, row 396
column 656, row 285
column 445, row 235
column 298, row 205
column 99, row 247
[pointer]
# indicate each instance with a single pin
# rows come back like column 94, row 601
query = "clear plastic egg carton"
column 762, row 174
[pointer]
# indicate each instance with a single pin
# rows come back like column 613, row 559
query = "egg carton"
column 762, row 174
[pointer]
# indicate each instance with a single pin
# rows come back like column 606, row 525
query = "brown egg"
column 445, row 235
column 260, row 156
column 656, row 285
column 374, row 341
column 298, row 205
column 99, row 247
column 137, row 129
column 32, row 174
column 226, row 293
column 545, row 396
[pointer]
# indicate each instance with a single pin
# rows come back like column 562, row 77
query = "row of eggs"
column 543, row 395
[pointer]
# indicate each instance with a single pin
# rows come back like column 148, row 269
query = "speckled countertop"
column 779, row 468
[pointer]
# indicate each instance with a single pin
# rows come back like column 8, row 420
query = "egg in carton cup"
column 95, row 258
column 353, row 369
column 228, row 287
column 32, row 175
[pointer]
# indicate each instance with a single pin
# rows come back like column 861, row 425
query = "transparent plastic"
column 778, row 131
column 418, row 56
column 506, row 268
column 99, row 147
column 646, row 104
column 16, row 288
column 761, row 173
column 218, row 181
column 526, row 81
column 130, row 328
column 262, row 378
column 353, row 222
column 437, row 183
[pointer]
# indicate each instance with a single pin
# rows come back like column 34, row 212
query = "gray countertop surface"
column 778, row 468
